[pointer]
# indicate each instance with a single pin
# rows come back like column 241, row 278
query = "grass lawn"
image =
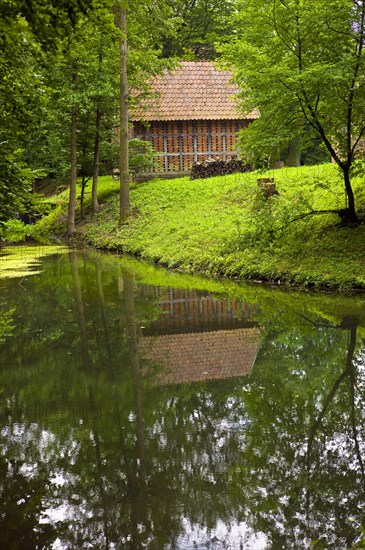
column 224, row 226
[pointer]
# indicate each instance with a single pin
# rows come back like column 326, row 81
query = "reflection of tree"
column 80, row 309
column 131, row 324
column 350, row 324
column 314, row 487
column 22, row 492
column 135, row 478
column 127, row 461
column 103, row 309
column 6, row 324
column 87, row 364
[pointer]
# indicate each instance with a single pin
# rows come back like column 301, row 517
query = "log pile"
column 218, row 167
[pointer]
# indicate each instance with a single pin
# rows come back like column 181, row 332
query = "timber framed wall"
column 179, row 143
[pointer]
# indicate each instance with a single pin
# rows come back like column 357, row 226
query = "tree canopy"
column 59, row 89
column 301, row 63
column 28, row 29
column 199, row 24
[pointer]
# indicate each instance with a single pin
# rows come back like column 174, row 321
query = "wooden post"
column 224, row 140
column 165, row 148
column 195, row 141
column 180, row 140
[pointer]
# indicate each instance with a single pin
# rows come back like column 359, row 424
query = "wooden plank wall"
column 178, row 144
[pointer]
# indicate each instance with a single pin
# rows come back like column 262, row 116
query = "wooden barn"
column 193, row 116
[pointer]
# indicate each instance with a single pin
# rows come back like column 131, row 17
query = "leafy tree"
column 199, row 24
column 124, row 205
column 302, row 63
column 47, row 20
column 82, row 81
column 21, row 103
column 140, row 39
column 27, row 30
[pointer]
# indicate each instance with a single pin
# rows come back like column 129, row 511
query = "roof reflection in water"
column 198, row 337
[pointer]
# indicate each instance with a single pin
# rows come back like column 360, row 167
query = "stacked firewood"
column 218, row 167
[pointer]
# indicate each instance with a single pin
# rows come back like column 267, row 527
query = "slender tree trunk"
column 124, row 211
column 96, row 158
column 84, row 179
column 94, row 189
column 83, row 185
column 294, row 153
column 73, row 180
column 351, row 216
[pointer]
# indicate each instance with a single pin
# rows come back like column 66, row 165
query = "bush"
column 140, row 156
column 14, row 231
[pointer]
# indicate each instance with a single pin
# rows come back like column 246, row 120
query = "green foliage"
column 140, row 155
column 27, row 29
column 304, row 72
column 199, row 24
column 48, row 21
column 14, row 231
column 16, row 181
column 224, row 226
column 55, row 57
column 51, row 227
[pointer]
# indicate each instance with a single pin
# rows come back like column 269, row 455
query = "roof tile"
column 195, row 90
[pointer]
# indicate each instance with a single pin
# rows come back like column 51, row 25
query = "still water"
column 143, row 409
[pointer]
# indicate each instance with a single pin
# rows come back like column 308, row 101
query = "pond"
column 144, row 409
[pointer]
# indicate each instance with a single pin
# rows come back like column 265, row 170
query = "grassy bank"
column 224, row 226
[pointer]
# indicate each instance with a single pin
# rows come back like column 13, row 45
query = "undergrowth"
column 225, row 226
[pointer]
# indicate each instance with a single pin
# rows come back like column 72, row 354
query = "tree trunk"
column 82, row 195
column 351, row 216
column 124, row 211
column 84, row 178
column 96, row 158
column 294, row 153
column 94, row 190
column 73, row 179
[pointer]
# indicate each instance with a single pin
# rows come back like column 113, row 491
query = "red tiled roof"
column 195, row 90
column 202, row 356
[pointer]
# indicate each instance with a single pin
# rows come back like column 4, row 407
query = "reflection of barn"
column 192, row 311
column 193, row 116
column 198, row 337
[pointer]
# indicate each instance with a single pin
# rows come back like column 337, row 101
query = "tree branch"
column 315, row 213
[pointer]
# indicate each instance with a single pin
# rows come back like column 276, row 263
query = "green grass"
column 222, row 226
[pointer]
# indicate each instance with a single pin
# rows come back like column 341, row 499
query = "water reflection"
column 132, row 416
column 197, row 337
